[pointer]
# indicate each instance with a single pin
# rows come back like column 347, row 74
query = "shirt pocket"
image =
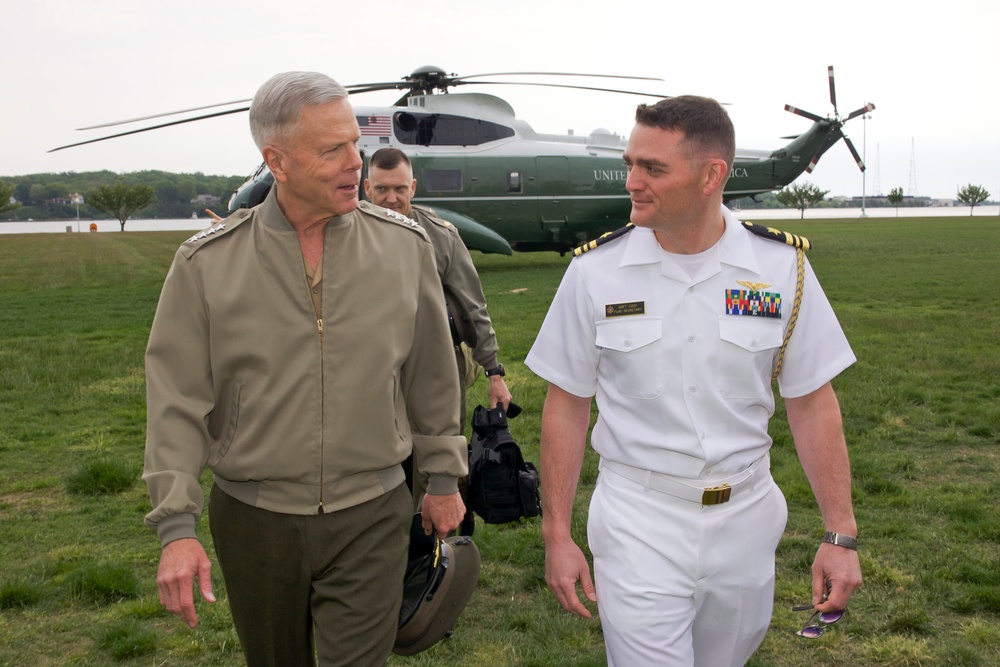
column 747, row 351
column 635, row 359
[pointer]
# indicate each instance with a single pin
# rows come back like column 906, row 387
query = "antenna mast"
column 913, row 168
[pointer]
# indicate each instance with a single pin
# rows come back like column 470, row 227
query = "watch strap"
column 841, row 540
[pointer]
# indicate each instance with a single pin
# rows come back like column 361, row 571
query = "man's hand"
column 499, row 394
column 180, row 562
column 565, row 565
column 442, row 514
column 841, row 569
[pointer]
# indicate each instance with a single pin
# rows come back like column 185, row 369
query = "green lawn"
column 921, row 411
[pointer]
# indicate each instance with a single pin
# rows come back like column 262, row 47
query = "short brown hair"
column 703, row 122
column 388, row 158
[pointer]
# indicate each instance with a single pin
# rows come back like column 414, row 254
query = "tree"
column 973, row 195
column 895, row 198
column 6, row 197
column 800, row 196
column 121, row 200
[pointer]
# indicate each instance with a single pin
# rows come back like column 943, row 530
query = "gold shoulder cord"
column 799, row 281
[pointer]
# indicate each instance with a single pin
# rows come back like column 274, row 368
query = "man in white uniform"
column 676, row 327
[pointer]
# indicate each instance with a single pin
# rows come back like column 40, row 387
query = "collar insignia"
column 206, row 232
column 753, row 287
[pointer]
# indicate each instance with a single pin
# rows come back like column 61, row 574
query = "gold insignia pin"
column 753, row 287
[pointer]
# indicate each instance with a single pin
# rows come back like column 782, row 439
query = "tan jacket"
column 458, row 274
column 292, row 414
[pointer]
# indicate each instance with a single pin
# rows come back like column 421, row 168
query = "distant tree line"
column 47, row 196
column 769, row 200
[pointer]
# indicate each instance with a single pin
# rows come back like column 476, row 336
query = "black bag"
column 503, row 487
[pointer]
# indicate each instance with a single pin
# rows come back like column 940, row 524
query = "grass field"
column 917, row 298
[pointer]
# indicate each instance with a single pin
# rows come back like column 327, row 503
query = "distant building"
column 206, row 200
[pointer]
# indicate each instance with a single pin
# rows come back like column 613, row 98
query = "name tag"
column 621, row 309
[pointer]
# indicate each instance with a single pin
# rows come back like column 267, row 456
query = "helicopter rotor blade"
column 831, row 139
column 833, row 89
column 599, row 76
column 854, row 152
column 161, row 115
column 865, row 109
column 803, row 113
column 147, row 129
column 561, row 85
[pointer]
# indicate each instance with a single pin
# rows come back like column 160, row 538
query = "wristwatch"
column 841, row 540
column 496, row 371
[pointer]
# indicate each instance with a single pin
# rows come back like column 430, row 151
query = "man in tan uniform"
column 292, row 344
column 390, row 183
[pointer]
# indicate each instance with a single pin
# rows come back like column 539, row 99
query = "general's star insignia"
column 206, row 232
column 753, row 287
column 396, row 215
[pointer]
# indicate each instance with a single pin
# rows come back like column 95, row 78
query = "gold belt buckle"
column 716, row 495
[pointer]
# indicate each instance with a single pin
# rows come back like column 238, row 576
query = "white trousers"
column 679, row 584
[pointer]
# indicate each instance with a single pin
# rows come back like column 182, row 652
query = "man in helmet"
column 292, row 345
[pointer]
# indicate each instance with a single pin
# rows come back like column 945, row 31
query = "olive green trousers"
column 326, row 586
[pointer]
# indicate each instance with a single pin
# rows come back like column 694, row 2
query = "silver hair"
column 278, row 103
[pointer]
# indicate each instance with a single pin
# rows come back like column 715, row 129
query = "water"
column 192, row 224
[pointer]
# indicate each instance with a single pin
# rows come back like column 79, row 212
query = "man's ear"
column 716, row 174
column 275, row 162
column 413, row 186
column 368, row 188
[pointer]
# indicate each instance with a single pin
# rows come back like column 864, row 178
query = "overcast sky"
column 931, row 70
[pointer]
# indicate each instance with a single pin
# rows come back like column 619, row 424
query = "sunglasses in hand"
column 816, row 625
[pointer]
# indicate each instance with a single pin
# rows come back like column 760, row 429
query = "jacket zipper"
column 319, row 326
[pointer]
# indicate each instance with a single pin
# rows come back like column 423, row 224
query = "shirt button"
column 627, row 343
column 693, row 389
column 753, row 343
column 690, row 339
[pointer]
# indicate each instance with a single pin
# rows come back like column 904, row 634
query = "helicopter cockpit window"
column 514, row 182
column 438, row 129
column 442, row 180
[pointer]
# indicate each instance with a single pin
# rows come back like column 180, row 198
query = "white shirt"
column 682, row 387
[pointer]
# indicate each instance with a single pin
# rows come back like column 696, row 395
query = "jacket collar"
column 273, row 217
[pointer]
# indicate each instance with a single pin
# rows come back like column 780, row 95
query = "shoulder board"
column 433, row 216
column 773, row 234
column 388, row 215
column 603, row 238
column 216, row 231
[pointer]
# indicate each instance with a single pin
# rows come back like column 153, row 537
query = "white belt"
column 721, row 491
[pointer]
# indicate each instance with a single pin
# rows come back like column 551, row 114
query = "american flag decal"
column 375, row 126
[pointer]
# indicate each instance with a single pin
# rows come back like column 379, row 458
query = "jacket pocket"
column 746, row 355
column 630, row 348
column 224, row 419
